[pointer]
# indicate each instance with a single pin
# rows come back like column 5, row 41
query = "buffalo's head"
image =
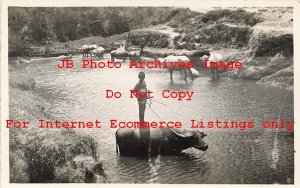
column 192, row 138
column 197, row 140
column 203, row 58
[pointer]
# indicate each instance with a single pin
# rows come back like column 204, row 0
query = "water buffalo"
column 215, row 57
column 135, row 55
column 119, row 53
column 87, row 49
column 163, row 141
column 98, row 52
column 182, row 58
column 194, row 56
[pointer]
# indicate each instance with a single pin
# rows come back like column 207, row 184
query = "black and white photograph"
column 150, row 94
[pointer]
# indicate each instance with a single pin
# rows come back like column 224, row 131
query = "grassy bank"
column 46, row 155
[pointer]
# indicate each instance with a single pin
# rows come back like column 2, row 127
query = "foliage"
column 218, row 34
column 233, row 16
column 265, row 44
column 40, row 26
column 47, row 154
column 151, row 38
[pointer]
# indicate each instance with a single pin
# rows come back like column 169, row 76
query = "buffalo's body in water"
column 164, row 141
column 87, row 49
column 119, row 53
column 184, row 59
column 213, row 58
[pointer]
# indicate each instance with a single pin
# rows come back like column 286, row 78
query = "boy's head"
column 141, row 76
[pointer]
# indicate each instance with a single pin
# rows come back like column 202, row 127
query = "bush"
column 267, row 44
column 234, row 16
column 48, row 155
column 154, row 22
column 219, row 34
column 18, row 168
column 177, row 38
column 149, row 38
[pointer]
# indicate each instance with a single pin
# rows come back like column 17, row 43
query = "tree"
column 115, row 24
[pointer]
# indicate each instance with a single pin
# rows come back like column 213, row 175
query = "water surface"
column 252, row 156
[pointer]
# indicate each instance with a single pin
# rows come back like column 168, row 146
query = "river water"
column 255, row 155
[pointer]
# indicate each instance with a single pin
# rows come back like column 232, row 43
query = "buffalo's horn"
column 183, row 135
column 202, row 128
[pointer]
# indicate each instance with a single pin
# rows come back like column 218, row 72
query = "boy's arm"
column 147, row 96
column 136, row 87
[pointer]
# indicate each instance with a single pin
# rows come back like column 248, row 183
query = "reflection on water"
column 252, row 156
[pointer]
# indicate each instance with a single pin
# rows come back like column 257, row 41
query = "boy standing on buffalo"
column 141, row 87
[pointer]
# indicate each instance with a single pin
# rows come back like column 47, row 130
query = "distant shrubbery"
column 266, row 44
column 149, row 38
column 226, row 28
column 219, row 34
column 238, row 16
column 219, row 28
column 190, row 24
column 225, row 35
column 41, row 26
column 45, row 26
column 179, row 16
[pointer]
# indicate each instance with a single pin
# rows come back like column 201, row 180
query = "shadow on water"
column 160, row 169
